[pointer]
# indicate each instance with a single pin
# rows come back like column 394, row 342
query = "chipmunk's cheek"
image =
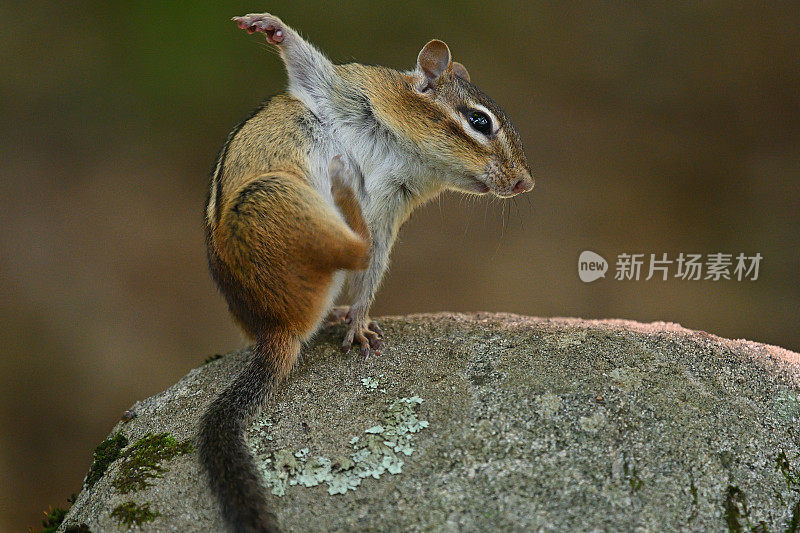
column 498, row 180
column 472, row 184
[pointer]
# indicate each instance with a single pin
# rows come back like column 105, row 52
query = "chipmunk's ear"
column 433, row 61
column 460, row 71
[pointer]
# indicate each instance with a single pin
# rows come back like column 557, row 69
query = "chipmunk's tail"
column 221, row 441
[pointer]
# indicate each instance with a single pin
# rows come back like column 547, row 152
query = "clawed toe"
column 375, row 341
column 367, row 338
column 364, row 344
column 265, row 23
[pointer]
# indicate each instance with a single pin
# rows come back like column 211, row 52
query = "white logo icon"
column 591, row 266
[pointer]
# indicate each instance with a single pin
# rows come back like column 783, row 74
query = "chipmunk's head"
column 477, row 147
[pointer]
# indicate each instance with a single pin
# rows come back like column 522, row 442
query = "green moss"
column 631, row 474
column 142, row 461
column 52, row 519
column 794, row 525
column 55, row 517
column 791, row 475
column 139, row 463
column 737, row 514
column 105, row 454
column 132, row 514
column 693, row 490
column 735, row 509
column 212, row 358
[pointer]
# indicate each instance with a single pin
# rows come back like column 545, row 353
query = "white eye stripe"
column 469, row 130
column 495, row 122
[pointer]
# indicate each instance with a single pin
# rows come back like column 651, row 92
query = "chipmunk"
column 312, row 188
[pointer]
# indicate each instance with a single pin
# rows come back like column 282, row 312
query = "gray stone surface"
column 532, row 425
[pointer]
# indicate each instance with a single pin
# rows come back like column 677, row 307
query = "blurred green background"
column 651, row 128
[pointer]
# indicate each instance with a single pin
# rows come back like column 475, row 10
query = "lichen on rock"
column 377, row 452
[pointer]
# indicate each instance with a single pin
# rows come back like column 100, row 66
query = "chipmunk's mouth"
column 504, row 181
column 479, row 187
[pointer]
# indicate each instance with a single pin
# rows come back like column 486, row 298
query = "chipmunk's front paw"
column 337, row 172
column 338, row 315
column 366, row 334
column 269, row 25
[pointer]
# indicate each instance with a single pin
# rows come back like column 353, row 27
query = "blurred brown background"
column 650, row 129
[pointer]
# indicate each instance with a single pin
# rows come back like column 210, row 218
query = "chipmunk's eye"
column 480, row 122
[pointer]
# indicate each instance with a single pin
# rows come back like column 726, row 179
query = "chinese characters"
column 713, row 267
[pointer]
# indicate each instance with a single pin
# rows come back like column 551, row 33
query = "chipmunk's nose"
column 524, row 184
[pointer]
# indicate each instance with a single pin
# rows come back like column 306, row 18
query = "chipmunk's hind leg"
column 281, row 243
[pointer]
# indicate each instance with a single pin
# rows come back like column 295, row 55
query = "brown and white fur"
column 313, row 188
